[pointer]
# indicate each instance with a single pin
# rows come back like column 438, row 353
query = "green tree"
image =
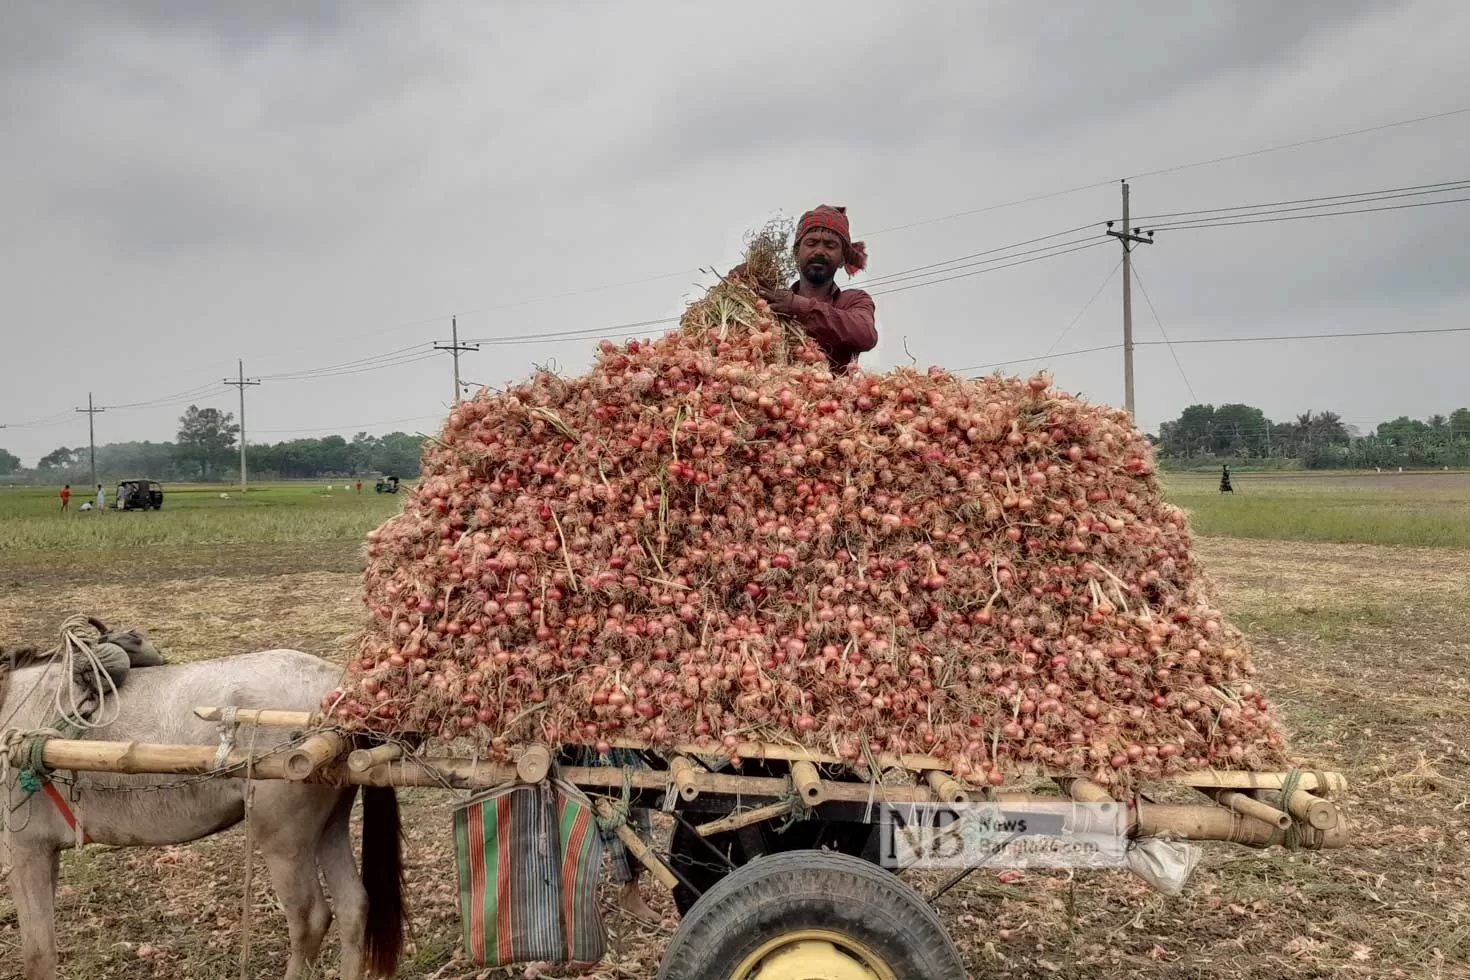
column 206, row 437
column 1234, row 429
column 1460, row 423
column 1403, row 431
column 363, row 448
column 399, row 454
column 60, row 459
column 9, row 462
column 1240, row 430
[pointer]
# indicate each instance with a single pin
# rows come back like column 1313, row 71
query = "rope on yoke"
column 229, row 723
column 617, row 815
column 798, row 809
column 1289, row 785
column 24, row 751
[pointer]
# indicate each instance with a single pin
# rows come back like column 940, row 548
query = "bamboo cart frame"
column 739, row 818
column 1239, row 807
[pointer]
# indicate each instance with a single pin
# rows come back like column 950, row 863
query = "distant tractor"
column 139, row 495
column 388, row 484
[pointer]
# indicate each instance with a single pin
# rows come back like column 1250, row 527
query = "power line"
column 1300, row 217
column 48, row 420
column 1417, row 189
column 579, row 334
column 1174, row 169
column 1318, row 336
column 162, row 399
column 990, row 251
column 1221, row 340
column 290, row 375
column 977, row 272
column 397, row 362
column 891, row 280
column 1172, row 352
column 356, row 425
column 1300, row 143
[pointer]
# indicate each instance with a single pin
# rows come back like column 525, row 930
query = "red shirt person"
column 839, row 320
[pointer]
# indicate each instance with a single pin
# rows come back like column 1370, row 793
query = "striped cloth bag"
column 530, row 857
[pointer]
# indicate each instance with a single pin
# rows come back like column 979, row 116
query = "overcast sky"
column 306, row 183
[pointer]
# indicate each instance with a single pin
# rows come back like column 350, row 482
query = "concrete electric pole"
column 454, row 347
column 92, row 434
column 1128, row 240
column 242, row 383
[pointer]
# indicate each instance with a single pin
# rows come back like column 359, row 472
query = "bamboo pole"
column 784, row 753
column 745, row 818
column 534, row 763
column 1313, row 810
column 684, row 772
column 1085, row 791
column 945, row 787
column 1203, row 823
column 638, row 849
column 1194, row 822
column 142, row 757
column 312, row 754
column 808, row 783
column 1249, row 806
column 1330, row 784
column 361, row 760
column 271, row 717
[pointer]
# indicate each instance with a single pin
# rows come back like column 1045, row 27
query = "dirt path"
column 1364, row 649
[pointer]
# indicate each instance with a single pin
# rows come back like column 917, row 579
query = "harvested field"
column 1364, row 647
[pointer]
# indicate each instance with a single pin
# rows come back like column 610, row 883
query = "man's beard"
column 818, row 273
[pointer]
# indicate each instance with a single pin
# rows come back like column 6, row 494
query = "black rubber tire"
column 696, row 864
column 784, row 893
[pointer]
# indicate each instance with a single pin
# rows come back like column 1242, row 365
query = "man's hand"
column 780, row 299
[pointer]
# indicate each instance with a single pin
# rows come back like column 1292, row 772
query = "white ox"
column 300, row 828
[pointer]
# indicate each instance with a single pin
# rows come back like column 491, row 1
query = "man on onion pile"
column 839, row 320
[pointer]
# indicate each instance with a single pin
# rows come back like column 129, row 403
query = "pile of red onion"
column 710, row 538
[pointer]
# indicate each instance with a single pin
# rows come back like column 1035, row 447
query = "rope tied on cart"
column 797, row 809
column 616, row 813
column 1291, row 837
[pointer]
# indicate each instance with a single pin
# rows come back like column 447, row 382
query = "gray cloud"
column 306, row 183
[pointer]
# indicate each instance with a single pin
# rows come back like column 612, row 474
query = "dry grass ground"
column 1364, row 648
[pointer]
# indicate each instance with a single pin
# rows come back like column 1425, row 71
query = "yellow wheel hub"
column 813, row 954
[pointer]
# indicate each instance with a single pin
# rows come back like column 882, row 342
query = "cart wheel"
column 811, row 915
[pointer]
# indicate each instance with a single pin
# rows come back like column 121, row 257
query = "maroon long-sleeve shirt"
column 842, row 325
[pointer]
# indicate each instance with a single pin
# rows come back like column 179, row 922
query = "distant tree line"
column 1318, row 440
column 207, row 449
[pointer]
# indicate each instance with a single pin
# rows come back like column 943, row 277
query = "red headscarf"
column 834, row 219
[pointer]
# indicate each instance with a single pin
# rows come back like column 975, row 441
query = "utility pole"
column 1126, row 238
column 242, row 383
column 92, row 433
column 454, row 347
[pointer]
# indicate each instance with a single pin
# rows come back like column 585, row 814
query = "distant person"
column 65, row 498
column 1225, row 486
column 359, row 488
column 101, row 498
